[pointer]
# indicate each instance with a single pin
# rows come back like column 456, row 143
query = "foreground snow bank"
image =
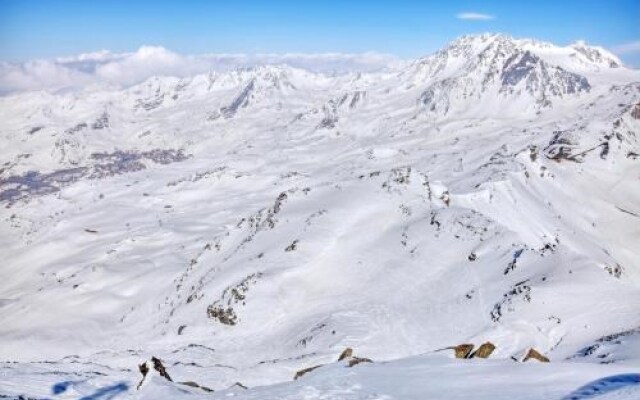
column 419, row 377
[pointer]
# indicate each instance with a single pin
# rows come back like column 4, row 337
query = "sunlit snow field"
column 242, row 226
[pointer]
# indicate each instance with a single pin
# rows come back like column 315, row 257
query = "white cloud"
column 125, row 69
column 627, row 48
column 473, row 16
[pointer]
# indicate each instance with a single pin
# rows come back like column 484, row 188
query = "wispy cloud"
column 125, row 69
column 627, row 48
column 474, row 16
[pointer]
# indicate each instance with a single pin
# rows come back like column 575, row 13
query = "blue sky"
column 42, row 29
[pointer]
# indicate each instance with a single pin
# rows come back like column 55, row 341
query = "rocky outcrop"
column 357, row 360
column 156, row 364
column 144, row 369
column 635, row 113
column 233, row 296
column 347, row 353
column 292, row 246
column 351, row 359
column 302, row 372
column 239, row 385
column 535, row 355
column 484, row 351
column 463, row 350
column 195, row 385
column 224, row 315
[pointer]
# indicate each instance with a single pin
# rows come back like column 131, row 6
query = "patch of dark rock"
column 627, row 212
column 35, row 183
column 224, row 316
column 305, row 371
column 612, row 339
column 513, row 264
column 519, row 290
column 635, row 113
column 101, row 122
column 158, row 366
column 189, row 364
column 277, row 360
column 535, row 72
column 328, row 122
column 604, row 150
column 232, row 295
column 199, row 346
column 615, row 271
column 533, row 153
column 358, row 360
column 292, row 246
column 76, row 128
column 144, row 370
column 240, row 101
column 35, row 129
column 196, row 385
column 239, row 385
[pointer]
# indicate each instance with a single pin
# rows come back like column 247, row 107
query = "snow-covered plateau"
column 232, row 230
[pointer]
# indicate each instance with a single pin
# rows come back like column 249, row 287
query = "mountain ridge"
column 244, row 226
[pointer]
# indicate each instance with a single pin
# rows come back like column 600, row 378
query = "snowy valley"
column 243, row 226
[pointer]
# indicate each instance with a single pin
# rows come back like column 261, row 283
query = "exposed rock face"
column 144, row 369
column 240, row 101
column 225, row 316
column 102, row 122
column 101, row 165
column 357, row 360
column 484, row 351
column 463, row 350
column 353, row 360
column 195, row 385
column 540, row 77
column 304, row 371
column 292, row 246
column 347, row 353
column 635, row 113
column 233, row 296
column 534, row 354
column 157, row 365
column 240, row 385
column 604, row 349
column 155, row 362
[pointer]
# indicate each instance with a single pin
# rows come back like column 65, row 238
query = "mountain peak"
column 576, row 56
column 596, row 54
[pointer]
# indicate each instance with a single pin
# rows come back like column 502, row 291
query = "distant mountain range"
column 245, row 225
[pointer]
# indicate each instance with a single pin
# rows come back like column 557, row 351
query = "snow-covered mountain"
column 246, row 225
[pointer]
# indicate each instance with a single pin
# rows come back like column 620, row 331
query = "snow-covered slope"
column 242, row 226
